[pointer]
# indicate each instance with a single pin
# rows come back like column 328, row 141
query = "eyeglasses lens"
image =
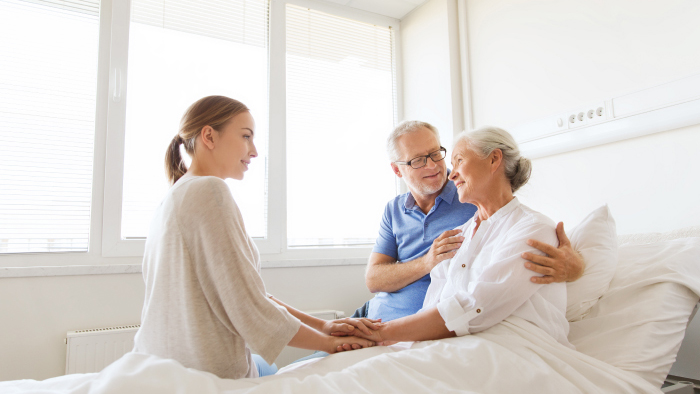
column 437, row 156
column 419, row 162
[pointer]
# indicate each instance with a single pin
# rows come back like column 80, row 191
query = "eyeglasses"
column 421, row 161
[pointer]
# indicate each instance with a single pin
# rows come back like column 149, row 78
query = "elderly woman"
column 486, row 281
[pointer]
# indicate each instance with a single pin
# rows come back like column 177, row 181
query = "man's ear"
column 496, row 159
column 396, row 170
column 207, row 137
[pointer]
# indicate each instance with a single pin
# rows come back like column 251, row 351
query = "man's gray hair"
column 485, row 140
column 405, row 127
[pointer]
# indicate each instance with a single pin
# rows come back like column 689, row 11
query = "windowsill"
column 111, row 269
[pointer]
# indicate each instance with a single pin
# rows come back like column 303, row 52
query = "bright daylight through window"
column 340, row 109
column 179, row 52
column 48, row 77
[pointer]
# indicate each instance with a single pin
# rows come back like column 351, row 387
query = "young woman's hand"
column 341, row 344
column 349, row 326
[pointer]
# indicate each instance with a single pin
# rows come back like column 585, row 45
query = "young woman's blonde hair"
column 212, row 111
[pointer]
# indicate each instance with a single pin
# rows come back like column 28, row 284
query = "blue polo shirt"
column 405, row 234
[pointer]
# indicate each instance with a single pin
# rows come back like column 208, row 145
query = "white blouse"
column 486, row 281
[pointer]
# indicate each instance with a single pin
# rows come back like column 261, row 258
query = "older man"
column 416, row 232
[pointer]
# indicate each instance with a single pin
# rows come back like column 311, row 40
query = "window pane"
column 179, row 52
column 48, row 75
column 340, row 109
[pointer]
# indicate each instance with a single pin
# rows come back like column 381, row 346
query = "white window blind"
column 48, row 74
column 340, row 108
column 179, row 52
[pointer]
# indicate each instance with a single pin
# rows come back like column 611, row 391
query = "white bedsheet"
column 511, row 357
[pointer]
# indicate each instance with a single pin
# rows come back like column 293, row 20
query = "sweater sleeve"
column 225, row 266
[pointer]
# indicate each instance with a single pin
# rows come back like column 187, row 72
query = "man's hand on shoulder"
column 444, row 247
column 384, row 273
column 562, row 264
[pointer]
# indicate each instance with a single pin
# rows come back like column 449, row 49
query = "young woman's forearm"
column 309, row 320
column 308, row 338
column 422, row 326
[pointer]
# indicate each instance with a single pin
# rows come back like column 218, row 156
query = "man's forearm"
column 393, row 276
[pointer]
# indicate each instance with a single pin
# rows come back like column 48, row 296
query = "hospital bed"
column 626, row 340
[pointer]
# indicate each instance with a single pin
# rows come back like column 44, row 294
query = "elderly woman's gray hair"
column 405, row 127
column 485, row 140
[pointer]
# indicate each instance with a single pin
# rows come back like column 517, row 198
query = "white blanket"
column 511, row 357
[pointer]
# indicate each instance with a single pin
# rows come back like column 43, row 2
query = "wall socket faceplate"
column 591, row 114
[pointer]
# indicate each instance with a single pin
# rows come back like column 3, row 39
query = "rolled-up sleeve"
column 501, row 288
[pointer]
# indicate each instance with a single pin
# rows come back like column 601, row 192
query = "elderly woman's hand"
column 349, row 326
column 374, row 334
column 562, row 264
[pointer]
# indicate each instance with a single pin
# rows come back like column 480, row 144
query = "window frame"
column 106, row 247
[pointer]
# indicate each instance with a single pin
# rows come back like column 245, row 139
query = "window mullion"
column 112, row 244
column 277, row 173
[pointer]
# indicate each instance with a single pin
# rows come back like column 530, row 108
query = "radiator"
column 92, row 350
column 327, row 314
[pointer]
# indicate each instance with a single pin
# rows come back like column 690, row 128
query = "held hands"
column 562, row 264
column 342, row 344
column 350, row 333
column 444, row 247
column 376, row 335
column 355, row 334
column 349, row 326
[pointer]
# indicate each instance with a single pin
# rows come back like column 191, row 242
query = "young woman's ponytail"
column 174, row 165
column 212, row 111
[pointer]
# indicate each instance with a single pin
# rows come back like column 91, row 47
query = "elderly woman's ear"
column 496, row 159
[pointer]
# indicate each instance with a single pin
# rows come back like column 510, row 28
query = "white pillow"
column 639, row 323
column 596, row 239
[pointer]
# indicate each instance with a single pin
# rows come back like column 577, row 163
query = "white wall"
column 534, row 59
column 530, row 60
column 431, row 84
column 36, row 312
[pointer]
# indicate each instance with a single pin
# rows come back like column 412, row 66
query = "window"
column 340, row 110
column 48, row 77
column 179, row 52
column 319, row 78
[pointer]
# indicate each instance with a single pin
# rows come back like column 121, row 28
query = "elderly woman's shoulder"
column 530, row 217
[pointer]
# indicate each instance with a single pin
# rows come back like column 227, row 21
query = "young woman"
column 206, row 304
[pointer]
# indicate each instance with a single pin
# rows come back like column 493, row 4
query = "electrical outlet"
column 583, row 117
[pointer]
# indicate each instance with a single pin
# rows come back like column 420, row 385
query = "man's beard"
column 425, row 189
